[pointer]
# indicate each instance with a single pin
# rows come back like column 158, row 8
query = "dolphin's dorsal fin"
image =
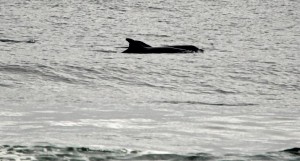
column 135, row 42
column 142, row 43
column 133, row 45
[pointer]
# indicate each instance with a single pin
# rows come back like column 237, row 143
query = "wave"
column 105, row 51
column 208, row 103
column 68, row 73
column 39, row 71
column 153, row 35
column 55, row 153
column 4, row 85
column 17, row 41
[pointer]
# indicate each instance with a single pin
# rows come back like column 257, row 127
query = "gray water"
column 74, row 87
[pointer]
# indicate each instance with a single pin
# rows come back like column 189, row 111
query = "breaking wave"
column 55, row 153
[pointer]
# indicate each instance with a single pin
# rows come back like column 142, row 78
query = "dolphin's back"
column 187, row 47
column 164, row 50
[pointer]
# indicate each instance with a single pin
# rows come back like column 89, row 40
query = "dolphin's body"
column 141, row 47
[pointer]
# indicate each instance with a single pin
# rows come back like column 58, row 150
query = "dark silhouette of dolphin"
column 141, row 47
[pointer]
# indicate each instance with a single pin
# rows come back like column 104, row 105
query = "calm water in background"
column 74, row 87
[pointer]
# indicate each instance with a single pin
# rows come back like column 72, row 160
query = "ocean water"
column 71, row 94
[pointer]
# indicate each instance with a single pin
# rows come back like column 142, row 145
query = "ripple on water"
column 209, row 103
column 55, row 153
column 11, row 114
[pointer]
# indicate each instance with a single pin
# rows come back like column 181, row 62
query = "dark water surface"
column 49, row 152
column 65, row 82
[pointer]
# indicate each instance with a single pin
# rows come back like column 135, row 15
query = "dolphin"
column 141, row 47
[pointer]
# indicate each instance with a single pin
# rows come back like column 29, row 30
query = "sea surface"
column 67, row 92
